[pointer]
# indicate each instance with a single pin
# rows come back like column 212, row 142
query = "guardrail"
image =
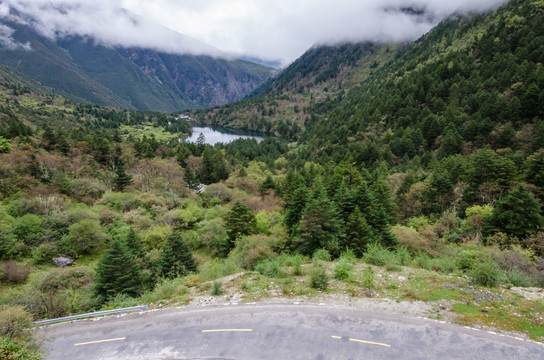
column 93, row 314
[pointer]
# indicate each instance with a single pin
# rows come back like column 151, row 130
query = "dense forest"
column 433, row 160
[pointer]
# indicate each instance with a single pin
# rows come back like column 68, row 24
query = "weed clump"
column 486, row 274
column 319, row 278
column 217, row 289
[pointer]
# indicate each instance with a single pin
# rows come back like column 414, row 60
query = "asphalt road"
column 277, row 332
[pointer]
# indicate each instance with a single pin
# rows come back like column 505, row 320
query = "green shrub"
column 168, row 289
column 445, row 265
column 348, row 255
column 466, row 259
column 84, row 237
column 403, row 256
column 517, row 278
column 342, row 270
column 253, row 249
column 423, row 261
column 270, row 268
column 377, row 255
column 44, row 253
column 295, row 261
column 321, row 255
column 418, row 222
column 319, row 278
column 217, row 289
column 14, row 319
column 28, row 229
column 486, row 274
column 19, row 349
column 367, row 279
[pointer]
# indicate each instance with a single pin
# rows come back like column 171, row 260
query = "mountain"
column 83, row 70
column 285, row 103
column 472, row 81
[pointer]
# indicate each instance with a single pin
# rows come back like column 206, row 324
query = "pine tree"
column 364, row 198
column 320, row 225
column 382, row 192
column 267, row 184
column 240, row 220
column 344, row 200
column 519, row 214
column 221, row 169
column 358, row 233
column 122, row 178
column 134, row 244
column 207, row 166
column 295, row 207
column 191, row 179
column 117, row 272
column 176, row 260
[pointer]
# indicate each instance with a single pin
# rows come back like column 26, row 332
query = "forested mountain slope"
column 471, row 81
column 284, row 104
column 82, row 70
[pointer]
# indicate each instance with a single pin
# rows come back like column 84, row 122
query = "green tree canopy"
column 117, row 272
column 177, row 259
column 518, row 214
column 240, row 220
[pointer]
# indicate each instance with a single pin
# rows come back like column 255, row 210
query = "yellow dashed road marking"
column 100, row 341
column 363, row 341
column 369, row 342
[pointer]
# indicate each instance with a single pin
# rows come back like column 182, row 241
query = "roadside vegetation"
column 437, row 198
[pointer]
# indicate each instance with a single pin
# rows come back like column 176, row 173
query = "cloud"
column 106, row 21
column 272, row 29
column 8, row 42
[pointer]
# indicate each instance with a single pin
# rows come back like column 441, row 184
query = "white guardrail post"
column 93, row 314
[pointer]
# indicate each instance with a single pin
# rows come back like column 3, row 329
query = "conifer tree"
column 358, row 233
column 382, row 192
column 364, row 198
column 295, row 207
column 190, row 178
column 267, row 184
column 320, row 225
column 344, row 200
column 207, row 166
column 176, row 260
column 135, row 244
column 519, row 214
column 122, row 178
column 240, row 220
column 221, row 171
column 117, row 272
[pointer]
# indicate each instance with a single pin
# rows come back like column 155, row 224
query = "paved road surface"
column 277, row 332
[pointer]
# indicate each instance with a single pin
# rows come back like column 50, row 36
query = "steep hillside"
column 82, row 70
column 284, row 104
column 471, row 81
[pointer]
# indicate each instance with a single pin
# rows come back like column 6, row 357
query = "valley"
column 402, row 176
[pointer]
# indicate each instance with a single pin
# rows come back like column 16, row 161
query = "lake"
column 219, row 134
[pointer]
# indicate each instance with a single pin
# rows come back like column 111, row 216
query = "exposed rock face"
column 205, row 80
column 63, row 261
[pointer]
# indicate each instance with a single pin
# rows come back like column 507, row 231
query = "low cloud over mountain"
column 273, row 29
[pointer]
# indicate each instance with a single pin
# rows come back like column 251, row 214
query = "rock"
column 63, row 261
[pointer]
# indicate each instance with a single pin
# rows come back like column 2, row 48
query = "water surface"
column 216, row 135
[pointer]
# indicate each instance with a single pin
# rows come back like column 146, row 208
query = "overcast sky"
column 270, row 29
